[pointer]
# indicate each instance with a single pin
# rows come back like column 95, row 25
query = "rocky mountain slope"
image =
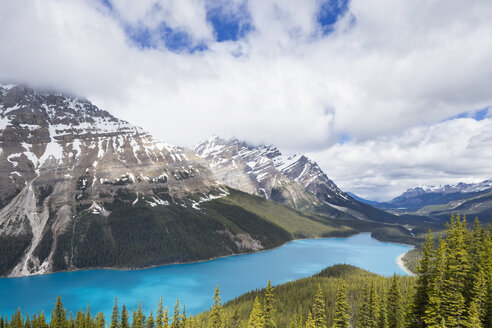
column 81, row 188
column 293, row 180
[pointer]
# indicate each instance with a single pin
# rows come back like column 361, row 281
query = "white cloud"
column 382, row 168
column 388, row 67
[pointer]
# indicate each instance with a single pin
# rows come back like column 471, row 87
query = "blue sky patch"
column 173, row 39
column 230, row 26
column 343, row 138
column 477, row 115
column 331, row 11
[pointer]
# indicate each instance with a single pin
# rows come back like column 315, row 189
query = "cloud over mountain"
column 300, row 75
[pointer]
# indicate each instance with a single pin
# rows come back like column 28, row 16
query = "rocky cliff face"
column 293, row 180
column 259, row 170
column 61, row 156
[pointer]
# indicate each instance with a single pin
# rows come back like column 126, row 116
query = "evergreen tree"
column 184, row 319
column 59, row 315
column 27, row 323
column 269, row 307
column 394, row 308
column 342, row 307
column 115, row 317
column 42, row 321
column 478, row 293
column 420, row 298
column 383, row 311
column 365, row 311
column 17, row 320
column 319, row 310
column 433, row 313
column 373, row 307
column 125, row 323
column 455, row 272
column 215, row 320
column 160, row 315
column 297, row 320
column 88, row 317
column 139, row 317
column 309, row 321
column 292, row 322
column 473, row 318
column 235, row 319
column 256, row 316
column 176, row 316
column 487, row 263
column 165, row 319
column 149, row 322
column 100, row 321
column 79, row 320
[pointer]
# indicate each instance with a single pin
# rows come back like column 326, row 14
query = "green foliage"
column 139, row 317
column 176, row 316
column 269, row 307
column 341, row 317
column 125, row 323
column 319, row 310
column 394, row 306
column 453, row 289
column 421, row 298
column 160, row 315
column 256, row 316
column 59, row 315
column 216, row 312
column 11, row 249
column 115, row 317
column 149, row 321
column 297, row 224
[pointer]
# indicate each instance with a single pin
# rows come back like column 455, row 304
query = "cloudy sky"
column 383, row 94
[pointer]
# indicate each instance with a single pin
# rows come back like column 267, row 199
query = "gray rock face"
column 263, row 170
column 59, row 153
column 293, row 180
column 259, row 170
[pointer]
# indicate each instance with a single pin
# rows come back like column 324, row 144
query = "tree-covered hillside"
column 453, row 288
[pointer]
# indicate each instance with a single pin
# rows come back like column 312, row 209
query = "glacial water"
column 194, row 283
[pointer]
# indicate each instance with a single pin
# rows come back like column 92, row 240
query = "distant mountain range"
column 473, row 199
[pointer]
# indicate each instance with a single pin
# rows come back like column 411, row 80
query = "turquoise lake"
column 195, row 283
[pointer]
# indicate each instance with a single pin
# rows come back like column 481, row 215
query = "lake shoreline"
column 194, row 284
column 401, row 264
column 176, row 263
column 212, row 258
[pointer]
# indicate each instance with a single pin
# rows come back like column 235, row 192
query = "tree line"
column 452, row 288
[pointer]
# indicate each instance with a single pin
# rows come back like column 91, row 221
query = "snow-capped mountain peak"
column 265, row 171
column 460, row 187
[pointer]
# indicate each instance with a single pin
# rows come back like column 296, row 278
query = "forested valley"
column 452, row 288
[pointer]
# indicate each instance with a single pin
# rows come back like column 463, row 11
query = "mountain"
column 294, row 180
column 418, row 197
column 81, row 188
column 439, row 202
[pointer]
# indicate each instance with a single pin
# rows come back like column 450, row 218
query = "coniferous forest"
column 452, row 288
